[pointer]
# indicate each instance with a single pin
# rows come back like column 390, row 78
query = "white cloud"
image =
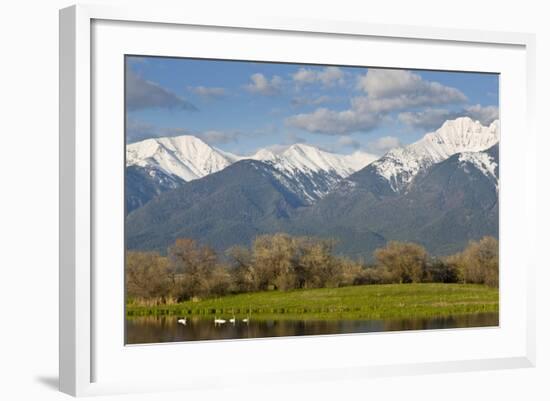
column 208, row 92
column 485, row 115
column 331, row 75
column 311, row 101
column 408, row 86
column 387, row 91
column 388, row 83
column 430, row 119
column 331, row 122
column 328, row 76
column 305, row 76
column 383, row 144
column 143, row 94
column 263, row 86
column 427, row 119
column 139, row 130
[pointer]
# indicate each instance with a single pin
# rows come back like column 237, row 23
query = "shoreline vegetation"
column 299, row 278
column 364, row 302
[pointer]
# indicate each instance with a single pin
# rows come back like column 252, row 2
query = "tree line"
column 284, row 262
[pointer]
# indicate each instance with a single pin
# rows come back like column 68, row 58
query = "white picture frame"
column 91, row 364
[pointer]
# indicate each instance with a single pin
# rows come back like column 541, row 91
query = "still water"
column 150, row 329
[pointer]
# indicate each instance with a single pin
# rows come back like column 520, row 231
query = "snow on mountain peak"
column 399, row 166
column 455, row 136
column 483, row 162
column 264, row 155
column 189, row 158
column 185, row 156
column 359, row 159
column 311, row 171
column 309, row 159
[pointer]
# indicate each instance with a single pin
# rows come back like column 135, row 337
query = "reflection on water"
column 150, row 329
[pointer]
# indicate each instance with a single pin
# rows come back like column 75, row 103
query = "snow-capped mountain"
column 449, row 204
column 310, row 171
column 441, row 192
column 486, row 162
column 144, row 183
column 189, row 158
column 307, row 158
column 186, row 156
column 304, row 169
column 400, row 165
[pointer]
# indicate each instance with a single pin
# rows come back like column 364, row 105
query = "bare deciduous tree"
column 405, row 260
column 479, row 262
column 194, row 264
column 274, row 259
column 147, row 276
column 244, row 272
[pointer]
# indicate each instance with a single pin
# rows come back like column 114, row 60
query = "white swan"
column 183, row 321
column 232, row 320
column 247, row 318
column 218, row 321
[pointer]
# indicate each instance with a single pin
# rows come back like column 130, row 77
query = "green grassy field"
column 390, row 301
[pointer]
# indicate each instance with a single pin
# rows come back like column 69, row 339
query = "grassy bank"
column 358, row 302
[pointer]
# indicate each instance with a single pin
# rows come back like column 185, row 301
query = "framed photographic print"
column 297, row 196
column 272, row 199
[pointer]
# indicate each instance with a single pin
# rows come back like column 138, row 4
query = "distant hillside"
column 443, row 208
column 441, row 192
column 143, row 184
column 222, row 209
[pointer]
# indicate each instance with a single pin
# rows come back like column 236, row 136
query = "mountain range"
column 158, row 165
column 440, row 191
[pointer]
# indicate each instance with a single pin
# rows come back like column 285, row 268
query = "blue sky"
column 241, row 106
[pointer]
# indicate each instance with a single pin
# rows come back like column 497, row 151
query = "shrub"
column 375, row 275
column 440, row 271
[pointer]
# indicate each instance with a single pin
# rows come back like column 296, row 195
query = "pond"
column 153, row 329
